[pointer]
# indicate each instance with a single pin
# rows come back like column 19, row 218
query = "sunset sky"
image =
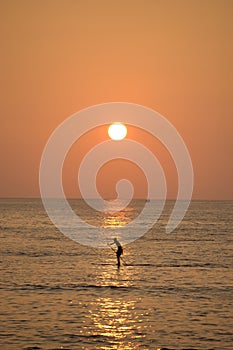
column 175, row 57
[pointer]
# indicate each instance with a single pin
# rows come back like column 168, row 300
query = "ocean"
column 172, row 291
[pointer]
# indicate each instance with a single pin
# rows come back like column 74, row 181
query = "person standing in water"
column 118, row 252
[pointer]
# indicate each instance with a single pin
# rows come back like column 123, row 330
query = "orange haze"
column 58, row 57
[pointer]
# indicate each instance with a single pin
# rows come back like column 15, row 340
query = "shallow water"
column 173, row 290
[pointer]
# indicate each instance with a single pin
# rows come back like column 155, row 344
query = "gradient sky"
column 175, row 57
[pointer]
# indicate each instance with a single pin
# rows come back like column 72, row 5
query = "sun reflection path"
column 113, row 219
column 116, row 317
column 117, row 321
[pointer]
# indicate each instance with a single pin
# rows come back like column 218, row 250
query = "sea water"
column 172, row 291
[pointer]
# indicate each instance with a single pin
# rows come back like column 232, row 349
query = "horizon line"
column 137, row 198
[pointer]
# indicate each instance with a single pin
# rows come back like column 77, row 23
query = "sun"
column 117, row 131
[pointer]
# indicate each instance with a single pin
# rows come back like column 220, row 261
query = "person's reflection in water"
column 118, row 252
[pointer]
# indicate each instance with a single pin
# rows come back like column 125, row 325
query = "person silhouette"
column 118, row 252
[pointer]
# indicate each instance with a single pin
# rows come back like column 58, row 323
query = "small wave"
column 143, row 264
column 37, row 254
column 181, row 265
column 126, row 264
column 78, row 287
column 32, row 348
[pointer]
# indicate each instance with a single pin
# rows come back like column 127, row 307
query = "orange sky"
column 58, row 57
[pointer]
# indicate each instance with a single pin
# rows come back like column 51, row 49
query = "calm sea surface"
column 174, row 290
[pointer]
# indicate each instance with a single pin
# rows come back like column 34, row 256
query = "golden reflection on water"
column 117, row 320
column 113, row 220
column 110, row 216
column 115, row 315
